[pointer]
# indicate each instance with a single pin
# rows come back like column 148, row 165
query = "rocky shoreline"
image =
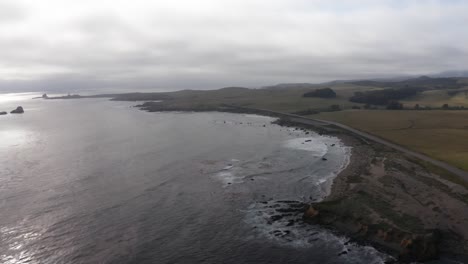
column 385, row 198
column 393, row 202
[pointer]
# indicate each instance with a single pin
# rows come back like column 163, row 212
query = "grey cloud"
column 10, row 12
column 250, row 43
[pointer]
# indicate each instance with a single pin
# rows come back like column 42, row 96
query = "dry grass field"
column 436, row 98
column 440, row 134
column 284, row 100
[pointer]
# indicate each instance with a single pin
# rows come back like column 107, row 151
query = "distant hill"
column 443, row 80
column 422, row 81
column 459, row 74
column 291, row 86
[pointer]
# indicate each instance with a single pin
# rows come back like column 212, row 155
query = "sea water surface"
column 97, row 181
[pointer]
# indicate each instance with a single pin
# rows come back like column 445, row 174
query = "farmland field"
column 437, row 133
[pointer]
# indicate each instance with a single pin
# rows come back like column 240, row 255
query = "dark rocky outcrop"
column 3, row 113
column 45, row 96
column 18, row 110
column 420, row 247
column 410, row 247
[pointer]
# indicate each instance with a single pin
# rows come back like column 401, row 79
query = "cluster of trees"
column 447, row 107
column 385, row 96
column 395, row 105
column 321, row 93
column 443, row 107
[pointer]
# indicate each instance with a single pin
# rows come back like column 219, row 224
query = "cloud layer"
column 212, row 43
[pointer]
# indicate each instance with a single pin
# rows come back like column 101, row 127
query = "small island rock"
column 3, row 113
column 18, row 110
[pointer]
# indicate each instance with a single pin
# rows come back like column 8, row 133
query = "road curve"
column 318, row 122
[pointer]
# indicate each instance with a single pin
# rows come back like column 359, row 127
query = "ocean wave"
column 281, row 221
column 311, row 144
column 230, row 175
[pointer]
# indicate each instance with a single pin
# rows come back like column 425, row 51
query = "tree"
column 322, row 93
column 416, row 107
column 445, row 106
column 394, row 105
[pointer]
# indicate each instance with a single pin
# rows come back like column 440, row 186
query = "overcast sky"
column 175, row 44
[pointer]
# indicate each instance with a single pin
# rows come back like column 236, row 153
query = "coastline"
column 383, row 197
column 364, row 205
column 391, row 201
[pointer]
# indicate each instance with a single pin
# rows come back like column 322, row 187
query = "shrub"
column 394, row 105
column 335, row 108
column 383, row 97
column 322, row 93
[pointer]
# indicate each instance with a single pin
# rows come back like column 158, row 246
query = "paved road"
column 318, row 122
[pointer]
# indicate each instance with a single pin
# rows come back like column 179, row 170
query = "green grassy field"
column 440, row 134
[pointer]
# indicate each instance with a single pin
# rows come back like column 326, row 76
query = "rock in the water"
column 3, row 113
column 18, row 110
column 45, row 96
column 344, row 252
column 324, row 158
column 311, row 213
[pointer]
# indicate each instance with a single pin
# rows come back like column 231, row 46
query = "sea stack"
column 18, row 110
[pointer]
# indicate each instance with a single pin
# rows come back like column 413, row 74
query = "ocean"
column 98, row 181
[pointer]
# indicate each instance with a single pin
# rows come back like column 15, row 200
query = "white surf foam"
column 291, row 231
column 311, row 144
column 288, row 229
column 230, row 174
